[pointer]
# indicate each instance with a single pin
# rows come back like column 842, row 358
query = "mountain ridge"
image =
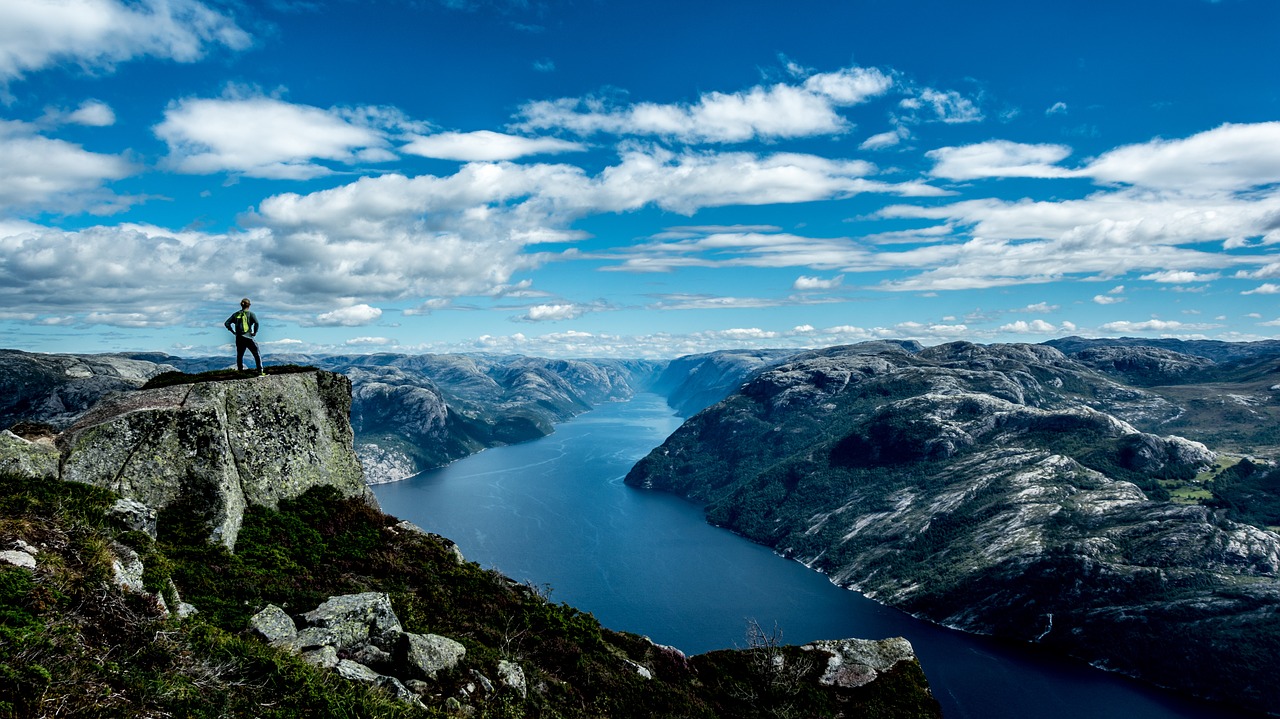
column 995, row 489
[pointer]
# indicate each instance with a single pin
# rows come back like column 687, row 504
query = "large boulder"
column 355, row 618
column 220, row 445
column 19, row 455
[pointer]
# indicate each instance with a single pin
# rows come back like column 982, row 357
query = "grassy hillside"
column 73, row 644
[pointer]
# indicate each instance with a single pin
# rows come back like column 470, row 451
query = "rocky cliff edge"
column 217, row 447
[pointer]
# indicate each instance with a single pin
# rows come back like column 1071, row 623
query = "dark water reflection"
column 555, row 512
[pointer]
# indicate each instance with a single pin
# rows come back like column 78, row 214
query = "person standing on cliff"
column 244, row 324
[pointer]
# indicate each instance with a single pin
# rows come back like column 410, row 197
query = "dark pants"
column 245, row 342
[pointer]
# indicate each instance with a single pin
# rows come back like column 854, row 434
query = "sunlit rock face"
column 1003, row 490
column 219, row 446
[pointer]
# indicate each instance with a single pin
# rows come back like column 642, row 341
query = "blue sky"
column 635, row 179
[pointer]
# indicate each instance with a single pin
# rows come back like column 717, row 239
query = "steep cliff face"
column 982, row 488
column 693, row 382
column 219, row 446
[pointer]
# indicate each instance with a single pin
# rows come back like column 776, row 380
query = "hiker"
column 245, row 326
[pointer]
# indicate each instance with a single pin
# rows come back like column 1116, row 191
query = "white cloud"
column 1039, row 307
column 553, row 313
column 353, row 316
column 371, row 342
column 943, row 106
column 1037, row 327
column 776, row 111
column 1107, row 299
column 266, row 137
column 1057, row 108
column 809, row 284
column 93, row 113
column 1227, row 158
column 96, row 34
column 998, row 158
column 1155, row 326
column 486, row 146
column 1266, row 288
column 1180, row 276
column 55, row 174
column 882, row 140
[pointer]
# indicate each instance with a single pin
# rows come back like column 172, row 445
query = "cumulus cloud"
column 1036, row 327
column 93, row 113
column 1057, row 108
column 42, row 172
column 266, row 137
column 1180, row 276
column 486, row 146
column 998, row 158
column 147, row 276
column 353, row 316
column 1267, row 288
column 97, row 34
column 1231, row 157
column 1107, row 299
column 552, row 313
column 776, row 111
column 804, row 283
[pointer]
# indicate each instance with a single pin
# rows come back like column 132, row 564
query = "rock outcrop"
column 219, row 446
column 985, row 488
column 360, row 637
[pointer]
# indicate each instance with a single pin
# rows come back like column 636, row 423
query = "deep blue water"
column 555, row 512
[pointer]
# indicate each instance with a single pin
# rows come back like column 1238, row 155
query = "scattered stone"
column 398, row 690
column 641, row 669
column 22, row 546
column 18, row 558
column 353, row 618
column 356, row 672
column 326, row 657
column 274, row 625
column 372, row 656
column 315, row 637
column 135, row 515
column 482, row 681
column 126, row 568
column 423, row 656
column 419, row 687
column 511, row 675
column 853, row 663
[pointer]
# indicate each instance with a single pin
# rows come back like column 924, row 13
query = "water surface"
column 555, row 512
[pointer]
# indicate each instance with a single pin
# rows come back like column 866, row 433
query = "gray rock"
column 33, row 458
column 325, row 657
column 126, row 568
column 356, row 672
column 397, row 689
column 18, row 558
column 482, row 682
column 310, row 638
column 243, row 442
column 274, row 625
column 853, row 663
column 22, row 546
column 354, row 618
column 419, row 687
column 135, row 515
column 511, row 675
column 423, row 656
column 372, row 656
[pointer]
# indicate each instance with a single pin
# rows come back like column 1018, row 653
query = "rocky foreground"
column 998, row 490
